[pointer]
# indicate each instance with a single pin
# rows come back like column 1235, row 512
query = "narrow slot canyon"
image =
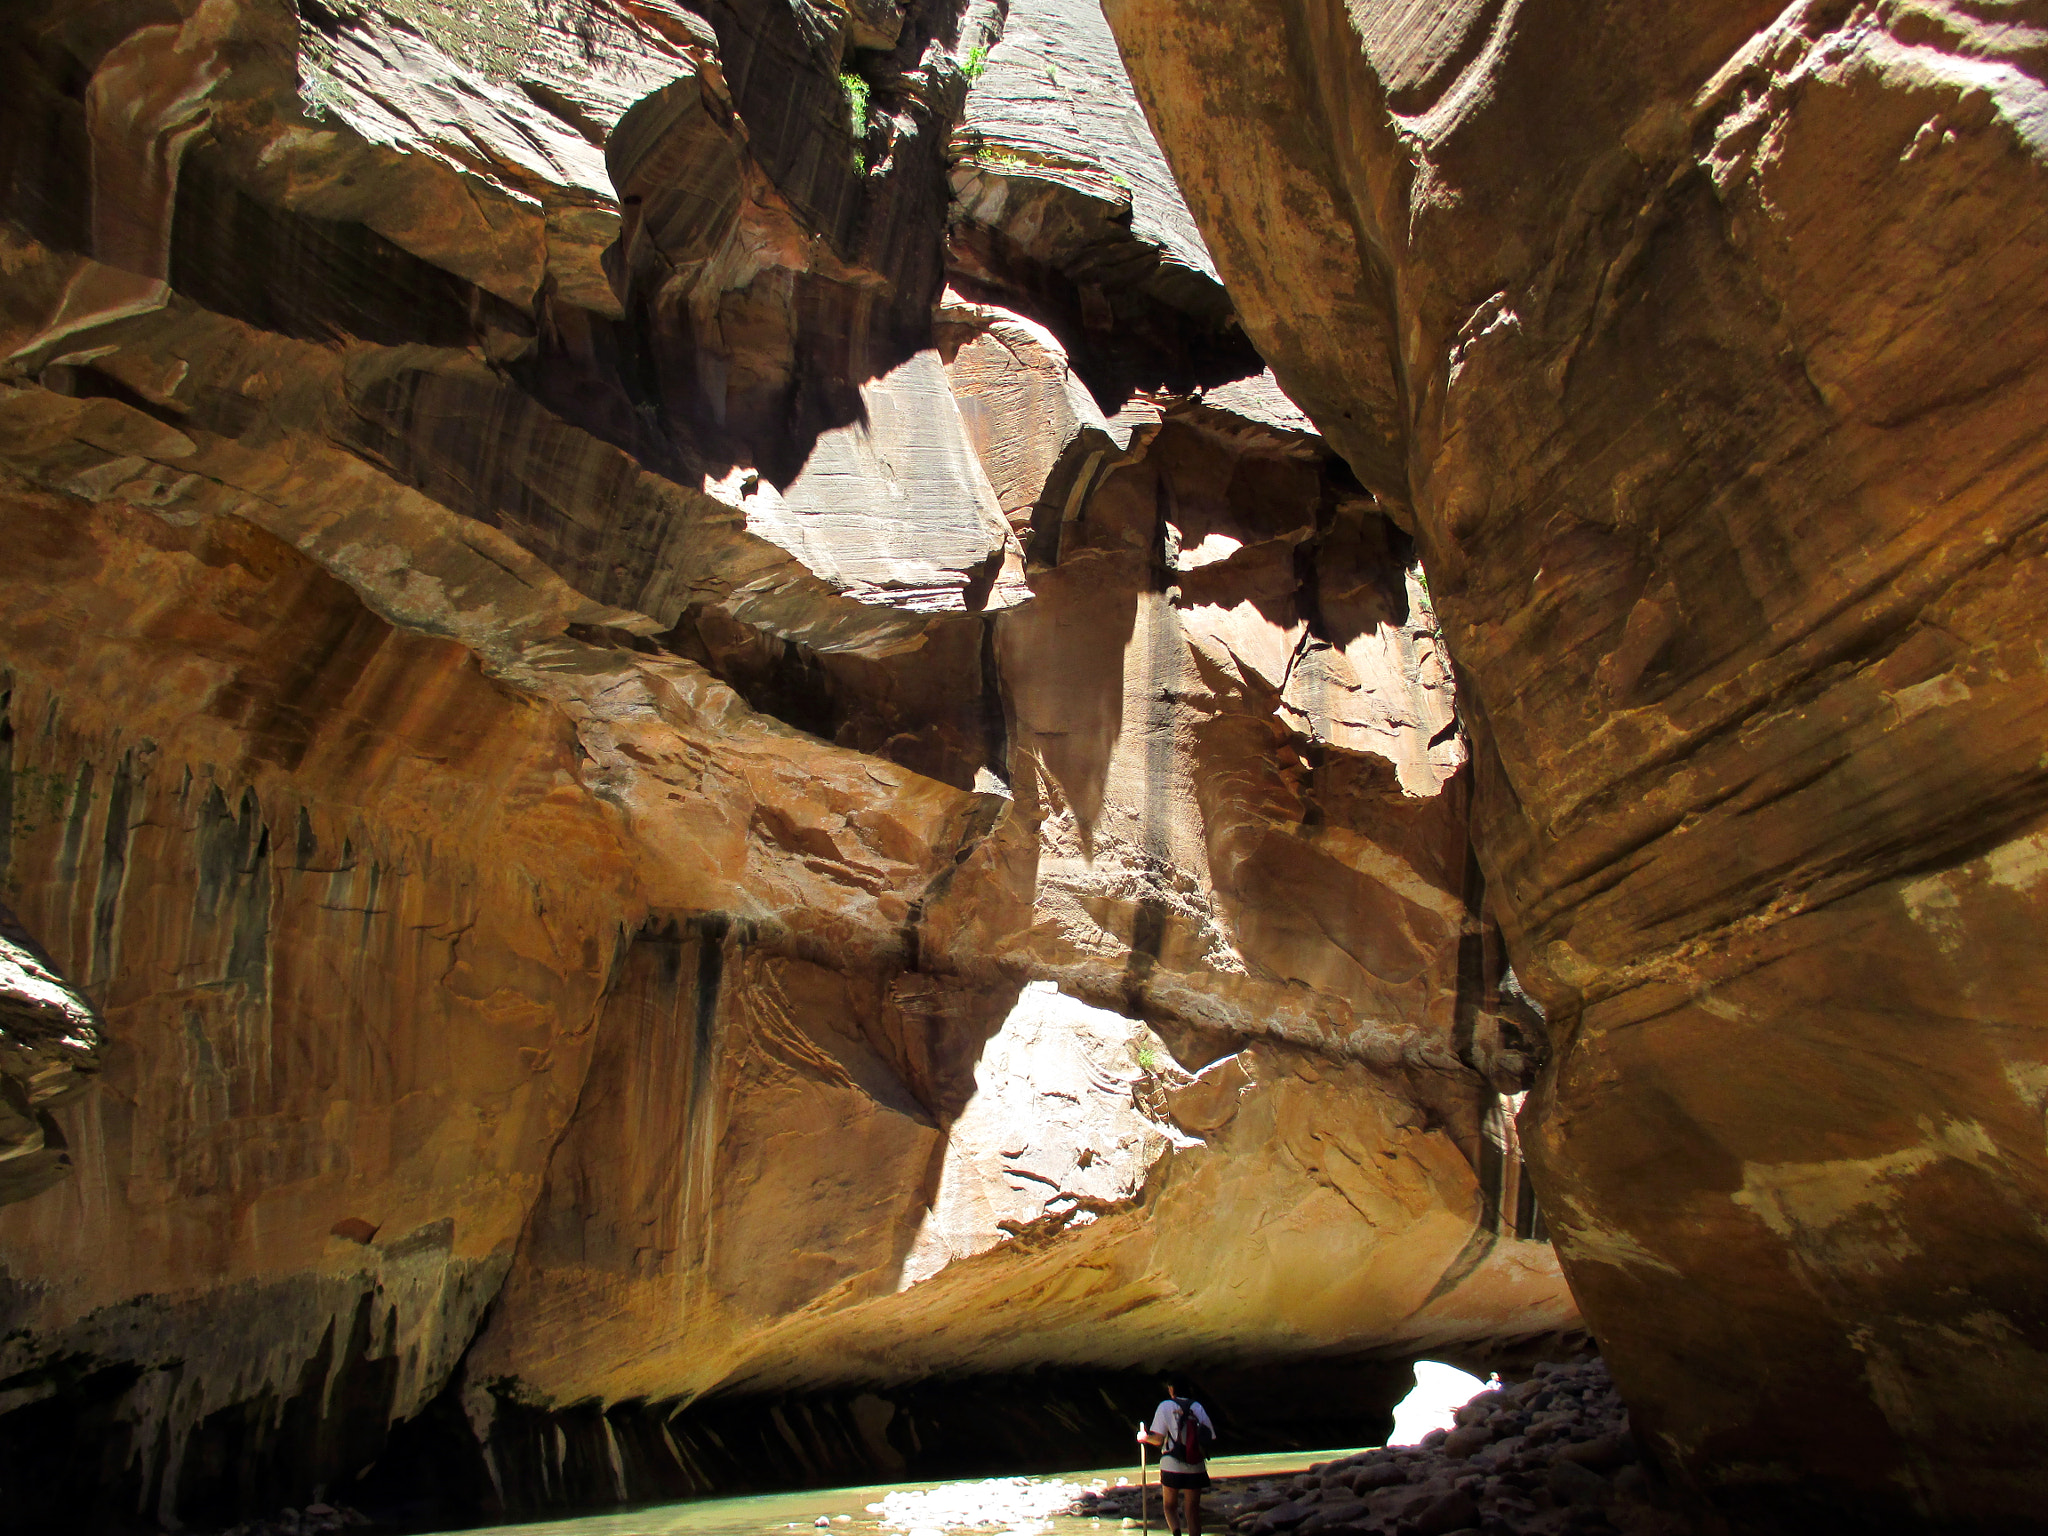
column 751, row 746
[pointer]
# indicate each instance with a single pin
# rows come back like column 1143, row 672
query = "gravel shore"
column 1550, row 1456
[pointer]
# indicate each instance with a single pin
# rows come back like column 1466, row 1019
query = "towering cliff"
column 1698, row 347
column 710, row 741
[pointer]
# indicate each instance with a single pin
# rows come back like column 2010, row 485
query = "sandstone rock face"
column 1698, row 346
column 691, row 775
column 49, row 1043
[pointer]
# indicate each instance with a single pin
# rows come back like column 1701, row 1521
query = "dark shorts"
column 1195, row 1480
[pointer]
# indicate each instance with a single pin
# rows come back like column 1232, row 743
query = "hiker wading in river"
column 1182, row 1427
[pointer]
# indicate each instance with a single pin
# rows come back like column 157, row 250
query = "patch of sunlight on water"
column 1440, row 1391
column 1007, row 1505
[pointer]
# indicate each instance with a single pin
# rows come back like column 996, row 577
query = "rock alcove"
column 723, row 725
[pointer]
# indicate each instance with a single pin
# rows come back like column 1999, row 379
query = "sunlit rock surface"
column 693, row 777
column 1700, row 348
column 49, row 1039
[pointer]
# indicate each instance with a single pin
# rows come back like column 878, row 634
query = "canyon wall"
column 1698, row 348
column 712, row 744
column 49, row 1050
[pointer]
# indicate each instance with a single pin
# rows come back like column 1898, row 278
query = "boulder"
column 1385, row 1474
column 1286, row 1516
column 1601, row 1454
column 1334, row 1515
column 1444, row 1513
column 1467, row 1439
column 1571, row 1483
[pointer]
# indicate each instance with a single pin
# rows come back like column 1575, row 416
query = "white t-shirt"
column 1163, row 1425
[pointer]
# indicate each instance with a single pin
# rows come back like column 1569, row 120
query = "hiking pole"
column 1144, row 1509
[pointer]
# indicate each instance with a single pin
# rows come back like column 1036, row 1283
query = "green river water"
column 918, row 1509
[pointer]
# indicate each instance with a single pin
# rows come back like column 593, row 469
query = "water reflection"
column 845, row 1510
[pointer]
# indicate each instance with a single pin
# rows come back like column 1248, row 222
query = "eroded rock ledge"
column 712, row 743
column 49, row 1050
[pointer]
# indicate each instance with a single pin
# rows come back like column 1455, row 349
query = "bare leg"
column 1191, row 1511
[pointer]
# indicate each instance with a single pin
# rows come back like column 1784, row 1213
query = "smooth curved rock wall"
column 693, row 776
column 1696, row 345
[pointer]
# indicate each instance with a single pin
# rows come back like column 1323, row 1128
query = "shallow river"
column 1013, row 1506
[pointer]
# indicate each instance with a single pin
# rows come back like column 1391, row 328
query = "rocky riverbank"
column 1544, row 1457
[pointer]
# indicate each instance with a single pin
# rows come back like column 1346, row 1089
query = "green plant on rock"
column 856, row 90
column 977, row 61
column 1148, row 1058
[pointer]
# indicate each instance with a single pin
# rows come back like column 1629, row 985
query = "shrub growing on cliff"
column 856, row 90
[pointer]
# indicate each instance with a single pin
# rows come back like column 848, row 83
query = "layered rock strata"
column 1696, row 346
column 717, row 747
column 49, row 1038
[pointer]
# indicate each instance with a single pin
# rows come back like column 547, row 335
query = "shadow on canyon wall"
column 358, row 751
column 596, row 1457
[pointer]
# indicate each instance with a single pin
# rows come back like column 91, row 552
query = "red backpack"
column 1190, row 1439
